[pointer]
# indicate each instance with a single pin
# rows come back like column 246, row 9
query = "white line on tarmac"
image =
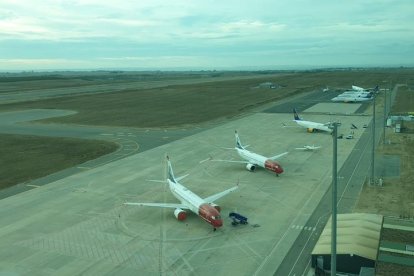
column 31, row 185
column 202, row 161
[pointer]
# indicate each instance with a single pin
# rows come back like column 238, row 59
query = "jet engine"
column 311, row 130
column 215, row 206
column 250, row 167
column 180, row 214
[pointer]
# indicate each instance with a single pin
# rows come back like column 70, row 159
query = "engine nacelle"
column 215, row 206
column 180, row 214
column 311, row 129
column 250, row 167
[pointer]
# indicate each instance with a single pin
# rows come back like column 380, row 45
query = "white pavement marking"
column 202, row 161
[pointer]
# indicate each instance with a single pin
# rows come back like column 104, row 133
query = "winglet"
column 238, row 143
column 170, row 171
column 295, row 115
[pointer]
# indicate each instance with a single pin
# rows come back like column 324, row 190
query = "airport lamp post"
column 334, row 199
column 373, row 143
column 385, row 116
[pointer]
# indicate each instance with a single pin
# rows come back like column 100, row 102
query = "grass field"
column 29, row 157
column 396, row 196
column 404, row 101
column 176, row 105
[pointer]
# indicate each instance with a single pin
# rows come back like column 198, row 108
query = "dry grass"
column 174, row 105
column 24, row 158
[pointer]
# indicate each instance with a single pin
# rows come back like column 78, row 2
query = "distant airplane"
column 357, row 88
column 253, row 159
column 203, row 207
column 351, row 98
column 311, row 126
column 356, row 93
column 311, row 148
column 360, row 89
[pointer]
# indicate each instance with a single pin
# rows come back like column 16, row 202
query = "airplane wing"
column 231, row 161
column 278, row 156
column 163, row 205
column 213, row 198
column 181, row 177
column 309, row 148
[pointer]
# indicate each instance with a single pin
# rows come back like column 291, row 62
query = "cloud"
column 202, row 32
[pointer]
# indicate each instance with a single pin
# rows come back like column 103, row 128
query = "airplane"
column 351, row 99
column 357, row 88
column 311, row 126
column 360, row 89
column 311, row 148
column 205, row 208
column 356, row 93
column 253, row 159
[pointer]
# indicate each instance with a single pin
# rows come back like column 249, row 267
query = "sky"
column 204, row 35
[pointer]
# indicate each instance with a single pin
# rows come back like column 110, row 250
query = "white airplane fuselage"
column 350, row 99
column 196, row 204
column 313, row 125
column 259, row 160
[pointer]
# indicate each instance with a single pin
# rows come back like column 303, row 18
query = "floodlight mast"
column 334, row 197
column 373, row 143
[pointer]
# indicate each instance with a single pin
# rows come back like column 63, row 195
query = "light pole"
column 385, row 116
column 334, row 199
column 373, row 143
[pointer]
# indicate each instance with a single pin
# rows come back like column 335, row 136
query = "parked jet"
column 351, row 98
column 203, row 207
column 311, row 148
column 356, row 93
column 311, row 126
column 253, row 159
column 360, row 89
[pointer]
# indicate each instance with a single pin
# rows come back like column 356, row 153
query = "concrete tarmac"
column 78, row 225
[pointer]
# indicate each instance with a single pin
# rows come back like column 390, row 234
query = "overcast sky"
column 209, row 34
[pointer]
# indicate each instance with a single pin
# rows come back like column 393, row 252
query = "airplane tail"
column 238, row 143
column 296, row 115
column 170, row 174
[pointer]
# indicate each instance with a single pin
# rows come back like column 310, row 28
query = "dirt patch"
column 385, row 269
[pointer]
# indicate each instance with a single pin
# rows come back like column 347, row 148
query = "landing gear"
column 214, row 229
column 277, row 175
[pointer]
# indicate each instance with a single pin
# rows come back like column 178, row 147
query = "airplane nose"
column 279, row 170
column 217, row 223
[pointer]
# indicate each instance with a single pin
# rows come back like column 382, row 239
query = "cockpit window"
column 215, row 217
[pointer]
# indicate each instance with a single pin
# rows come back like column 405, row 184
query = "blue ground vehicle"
column 237, row 219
